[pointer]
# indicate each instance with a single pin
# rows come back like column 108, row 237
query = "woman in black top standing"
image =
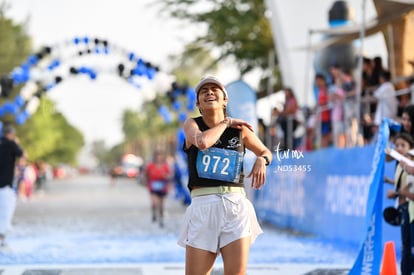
column 220, row 219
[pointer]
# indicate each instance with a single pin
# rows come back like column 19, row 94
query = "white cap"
column 210, row 79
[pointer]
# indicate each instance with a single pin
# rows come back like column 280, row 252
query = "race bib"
column 219, row 164
column 158, row 185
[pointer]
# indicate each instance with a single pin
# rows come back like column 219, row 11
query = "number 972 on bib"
column 219, row 164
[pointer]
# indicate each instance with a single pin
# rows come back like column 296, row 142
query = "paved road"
column 91, row 204
column 111, row 222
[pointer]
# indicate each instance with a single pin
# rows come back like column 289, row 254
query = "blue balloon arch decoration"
column 32, row 75
column 39, row 74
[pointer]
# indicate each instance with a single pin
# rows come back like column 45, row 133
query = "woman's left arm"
column 263, row 154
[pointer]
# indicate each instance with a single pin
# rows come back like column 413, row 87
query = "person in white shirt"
column 386, row 100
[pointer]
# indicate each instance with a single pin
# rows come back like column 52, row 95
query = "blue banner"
column 181, row 170
column 322, row 193
column 334, row 194
column 370, row 254
column 242, row 103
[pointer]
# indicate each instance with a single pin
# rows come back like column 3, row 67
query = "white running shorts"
column 213, row 221
column 7, row 207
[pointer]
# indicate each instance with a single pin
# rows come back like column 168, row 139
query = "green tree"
column 99, row 150
column 146, row 130
column 114, row 154
column 192, row 63
column 107, row 157
column 236, row 28
column 15, row 43
column 131, row 124
column 47, row 135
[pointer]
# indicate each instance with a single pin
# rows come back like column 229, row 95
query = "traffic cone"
column 389, row 260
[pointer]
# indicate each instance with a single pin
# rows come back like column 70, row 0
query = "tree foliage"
column 145, row 131
column 107, row 156
column 191, row 64
column 47, row 135
column 15, row 43
column 237, row 28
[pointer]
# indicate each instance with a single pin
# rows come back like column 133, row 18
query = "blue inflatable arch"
column 38, row 74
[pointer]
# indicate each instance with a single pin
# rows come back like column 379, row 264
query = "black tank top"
column 230, row 140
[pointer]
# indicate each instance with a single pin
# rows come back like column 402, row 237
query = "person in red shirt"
column 325, row 111
column 158, row 173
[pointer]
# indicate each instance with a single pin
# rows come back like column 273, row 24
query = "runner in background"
column 158, row 174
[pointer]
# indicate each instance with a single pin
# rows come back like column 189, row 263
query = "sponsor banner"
column 336, row 194
column 242, row 103
column 370, row 254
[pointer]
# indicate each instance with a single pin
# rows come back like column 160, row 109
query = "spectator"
column 9, row 152
column 377, row 70
column 404, row 95
column 40, row 167
column 115, row 172
column 367, row 70
column 403, row 143
column 368, row 86
column 407, row 120
column 335, row 75
column 386, row 100
column 25, row 177
column 287, row 119
column 20, row 176
column 350, row 106
column 408, row 191
column 324, row 112
column 337, row 99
